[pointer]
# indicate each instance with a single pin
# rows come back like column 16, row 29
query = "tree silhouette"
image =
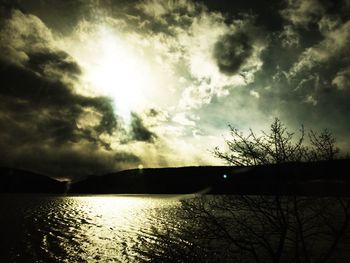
column 275, row 228
column 276, row 146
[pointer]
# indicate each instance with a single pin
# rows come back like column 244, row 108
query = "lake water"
column 42, row 228
column 38, row 228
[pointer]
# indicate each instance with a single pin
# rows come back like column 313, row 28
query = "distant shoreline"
column 324, row 178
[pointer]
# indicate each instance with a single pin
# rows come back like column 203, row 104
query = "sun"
column 114, row 68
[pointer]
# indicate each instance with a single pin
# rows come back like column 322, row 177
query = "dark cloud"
column 231, row 51
column 303, row 83
column 61, row 16
column 57, row 61
column 42, row 118
column 139, row 132
column 303, row 79
column 265, row 13
column 62, row 162
column 297, row 50
column 39, row 111
column 53, row 96
column 6, row 6
column 125, row 157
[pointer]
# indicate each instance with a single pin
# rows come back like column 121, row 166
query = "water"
column 41, row 228
column 38, row 228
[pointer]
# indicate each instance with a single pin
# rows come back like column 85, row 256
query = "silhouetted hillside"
column 20, row 181
column 153, row 180
column 314, row 178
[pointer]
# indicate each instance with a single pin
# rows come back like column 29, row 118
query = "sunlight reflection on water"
column 83, row 228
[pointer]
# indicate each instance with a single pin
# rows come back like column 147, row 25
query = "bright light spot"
column 115, row 69
column 113, row 210
column 140, row 166
column 225, row 176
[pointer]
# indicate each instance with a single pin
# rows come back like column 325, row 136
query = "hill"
column 313, row 178
column 21, row 181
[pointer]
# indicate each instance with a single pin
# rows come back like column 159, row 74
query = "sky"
column 89, row 87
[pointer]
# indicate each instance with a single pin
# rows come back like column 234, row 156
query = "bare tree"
column 273, row 147
column 275, row 228
column 323, row 146
column 270, row 228
column 278, row 145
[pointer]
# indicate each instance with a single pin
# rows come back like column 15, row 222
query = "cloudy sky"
column 100, row 85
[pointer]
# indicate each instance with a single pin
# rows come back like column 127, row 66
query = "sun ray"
column 115, row 69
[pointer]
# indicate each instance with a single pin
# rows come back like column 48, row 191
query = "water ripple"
column 82, row 228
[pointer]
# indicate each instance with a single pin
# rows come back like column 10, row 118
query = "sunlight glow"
column 116, row 69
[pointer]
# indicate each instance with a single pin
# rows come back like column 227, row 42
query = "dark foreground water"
column 39, row 228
